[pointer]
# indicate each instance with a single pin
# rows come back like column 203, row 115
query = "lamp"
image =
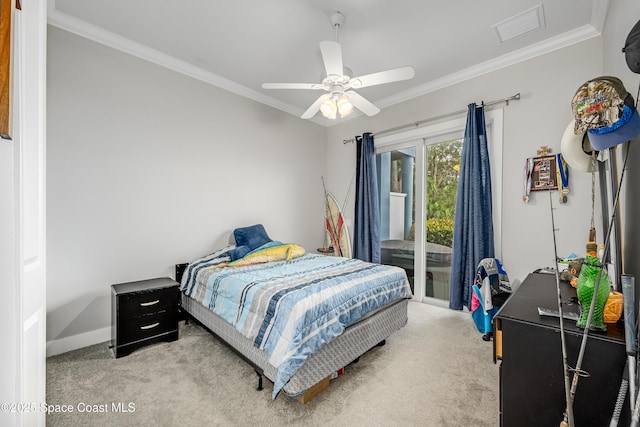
column 337, row 103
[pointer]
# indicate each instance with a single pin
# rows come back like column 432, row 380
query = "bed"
column 295, row 317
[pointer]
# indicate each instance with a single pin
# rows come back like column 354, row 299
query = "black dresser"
column 142, row 313
column 531, row 371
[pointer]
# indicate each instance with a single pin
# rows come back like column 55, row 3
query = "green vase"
column 586, row 285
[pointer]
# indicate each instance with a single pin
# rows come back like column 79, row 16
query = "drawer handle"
column 147, row 304
column 150, row 326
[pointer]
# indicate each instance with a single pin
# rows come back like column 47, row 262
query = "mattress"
column 291, row 307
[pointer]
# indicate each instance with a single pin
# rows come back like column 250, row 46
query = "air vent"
column 523, row 23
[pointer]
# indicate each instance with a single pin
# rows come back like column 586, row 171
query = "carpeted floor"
column 436, row 371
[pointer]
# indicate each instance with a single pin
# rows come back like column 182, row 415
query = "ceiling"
column 240, row 44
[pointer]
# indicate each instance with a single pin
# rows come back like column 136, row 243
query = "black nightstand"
column 142, row 313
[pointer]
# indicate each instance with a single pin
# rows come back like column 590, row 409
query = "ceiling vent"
column 523, row 23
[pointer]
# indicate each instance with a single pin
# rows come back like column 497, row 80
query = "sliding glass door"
column 418, row 183
column 442, row 170
column 397, row 184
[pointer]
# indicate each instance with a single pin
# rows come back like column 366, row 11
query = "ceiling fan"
column 339, row 82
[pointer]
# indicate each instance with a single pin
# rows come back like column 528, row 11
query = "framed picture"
column 544, row 175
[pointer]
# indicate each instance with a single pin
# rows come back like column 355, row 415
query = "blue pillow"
column 239, row 252
column 252, row 237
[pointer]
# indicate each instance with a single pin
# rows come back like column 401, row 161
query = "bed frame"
column 313, row 375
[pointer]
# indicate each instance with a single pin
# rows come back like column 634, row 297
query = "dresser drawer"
column 143, row 327
column 147, row 302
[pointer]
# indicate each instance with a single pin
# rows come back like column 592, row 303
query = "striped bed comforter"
column 292, row 308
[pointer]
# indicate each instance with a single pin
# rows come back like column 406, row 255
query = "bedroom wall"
column 147, row 168
column 547, row 84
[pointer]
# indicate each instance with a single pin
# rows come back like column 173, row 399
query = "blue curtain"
column 473, row 226
column 366, row 234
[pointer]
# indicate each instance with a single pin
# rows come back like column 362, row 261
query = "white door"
column 27, row 197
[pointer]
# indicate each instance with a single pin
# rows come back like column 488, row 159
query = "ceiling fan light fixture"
column 345, row 107
column 328, row 108
column 338, row 81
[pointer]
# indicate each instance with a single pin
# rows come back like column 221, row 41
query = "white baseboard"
column 75, row 342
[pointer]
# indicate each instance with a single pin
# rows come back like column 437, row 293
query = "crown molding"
column 107, row 38
column 567, row 39
column 115, row 41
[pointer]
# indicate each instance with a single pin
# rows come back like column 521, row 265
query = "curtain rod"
column 515, row 97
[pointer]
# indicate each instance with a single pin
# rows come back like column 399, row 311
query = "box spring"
column 339, row 352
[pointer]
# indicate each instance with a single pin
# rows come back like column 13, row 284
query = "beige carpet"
column 436, row 371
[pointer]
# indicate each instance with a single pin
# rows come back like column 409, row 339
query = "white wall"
column 622, row 15
column 547, row 85
column 147, row 168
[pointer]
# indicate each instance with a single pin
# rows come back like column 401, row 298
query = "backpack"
column 491, row 288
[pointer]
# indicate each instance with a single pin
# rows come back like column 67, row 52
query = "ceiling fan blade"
column 315, row 107
column 362, row 104
column 395, row 75
column 332, row 57
column 313, row 86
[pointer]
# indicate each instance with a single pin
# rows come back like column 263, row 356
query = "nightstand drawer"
column 143, row 327
column 147, row 302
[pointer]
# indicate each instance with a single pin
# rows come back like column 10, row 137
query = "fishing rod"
column 578, row 369
column 328, row 217
column 628, row 382
column 346, row 198
column 327, row 245
column 568, row 421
